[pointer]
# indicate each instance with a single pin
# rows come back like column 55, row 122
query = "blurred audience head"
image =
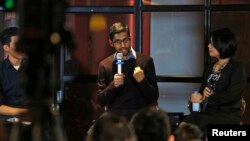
column 151, row 125
column 111, row 127
column 187, row 132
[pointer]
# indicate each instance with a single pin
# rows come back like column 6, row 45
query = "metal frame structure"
column 138, row 10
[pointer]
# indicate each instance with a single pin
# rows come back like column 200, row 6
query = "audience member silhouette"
column 152, row 125
column 188, row 132
column 111, row 127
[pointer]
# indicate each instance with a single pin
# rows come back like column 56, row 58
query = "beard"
column 125, row 51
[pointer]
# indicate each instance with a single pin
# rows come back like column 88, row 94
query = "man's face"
column 121, row 43
column 11, row 49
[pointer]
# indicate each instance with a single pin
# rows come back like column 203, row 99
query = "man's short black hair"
column 118, row 28
column 111, row 127
column 151, row 125
column 7, row 33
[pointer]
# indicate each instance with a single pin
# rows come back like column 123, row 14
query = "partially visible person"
column 188, row 132
column 111, row 127
column 223, row 86
column 136, row 87
column 152, row 125
column 13, row 99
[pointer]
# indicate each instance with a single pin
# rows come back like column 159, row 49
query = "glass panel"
column 173, row 2
column 101, row 2
column 90, row 33
column 177, row 42
column 230, row 1
column 239, row 23
column 174, row 96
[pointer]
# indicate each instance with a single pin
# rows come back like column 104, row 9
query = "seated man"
column 13, row 100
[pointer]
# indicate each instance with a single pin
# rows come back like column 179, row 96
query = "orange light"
column 97, row 23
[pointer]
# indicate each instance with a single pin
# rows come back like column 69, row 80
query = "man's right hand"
column 118, row 79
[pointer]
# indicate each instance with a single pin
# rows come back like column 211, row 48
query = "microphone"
column 119, row 63
column 210, row 86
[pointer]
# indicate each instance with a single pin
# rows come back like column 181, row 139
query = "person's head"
column 187, row 132
column 119, row 38
column 9, row 39
column 151, row 125
column 222, row 44
column 111, row 127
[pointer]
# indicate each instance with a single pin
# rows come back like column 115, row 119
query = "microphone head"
column 119, row 56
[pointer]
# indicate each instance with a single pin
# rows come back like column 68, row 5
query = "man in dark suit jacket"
column 136, row 87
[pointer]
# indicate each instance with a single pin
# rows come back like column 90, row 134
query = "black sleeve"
column 149, row 85
column 234, row 90
column 106, row 91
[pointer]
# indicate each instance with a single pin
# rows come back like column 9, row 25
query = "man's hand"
column 118, row 79
column 138, row 74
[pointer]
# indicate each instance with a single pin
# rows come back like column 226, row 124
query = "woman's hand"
column 207, row 92
column 196, row 98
